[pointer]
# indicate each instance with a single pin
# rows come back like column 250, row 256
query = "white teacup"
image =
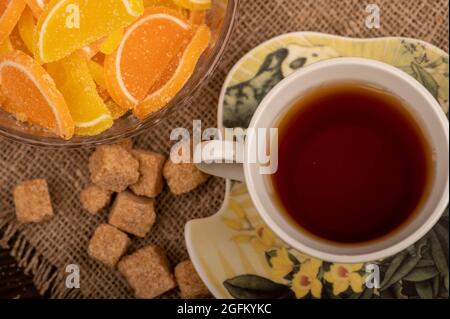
column 422, row 105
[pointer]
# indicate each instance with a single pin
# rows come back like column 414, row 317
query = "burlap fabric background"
column 44, row 250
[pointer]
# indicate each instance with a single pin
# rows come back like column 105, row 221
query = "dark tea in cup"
column 353, row 163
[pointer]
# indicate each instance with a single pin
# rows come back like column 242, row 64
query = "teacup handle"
column 218, row 158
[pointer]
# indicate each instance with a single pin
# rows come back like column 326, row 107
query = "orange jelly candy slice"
column 146, row 49
column 163, row 94
column 26, row 27
column 197, row 16
column 6, row 46
column 17, row 42
column 32, row 95
column 10, row 12
column 37, row 6
column 68, row 25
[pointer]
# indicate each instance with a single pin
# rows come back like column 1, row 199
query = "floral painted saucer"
column 238, row 256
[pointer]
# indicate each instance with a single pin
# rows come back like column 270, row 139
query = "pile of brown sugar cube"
column 138, row 177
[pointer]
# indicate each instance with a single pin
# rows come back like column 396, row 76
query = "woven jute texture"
column 45, row 250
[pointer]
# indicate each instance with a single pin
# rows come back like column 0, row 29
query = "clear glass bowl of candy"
column 86, row 72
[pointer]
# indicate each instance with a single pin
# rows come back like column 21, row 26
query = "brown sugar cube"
column 126, row 143
column 151, row 182
column 183, row 178
column 113, row 168
column 133, row 214
column 191, row 286
column 94, row 198
column 108, row 244
column 32, row 201
column 148, row 272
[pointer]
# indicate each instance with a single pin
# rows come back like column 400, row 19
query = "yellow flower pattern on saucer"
column 344, row 275
column 305, row 282
column 282, row 264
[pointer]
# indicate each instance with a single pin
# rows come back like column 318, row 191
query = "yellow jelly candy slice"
column 112, row 42
column 157, row 3
column 97, row 73
column 194, row 4
column 26, row 28
column 73, row 79
column 116, row 110
column 68, row 25
column 166, row 3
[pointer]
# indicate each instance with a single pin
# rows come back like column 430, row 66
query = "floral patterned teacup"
column 422, row 105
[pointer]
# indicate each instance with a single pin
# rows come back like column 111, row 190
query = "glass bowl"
column 220, row 18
